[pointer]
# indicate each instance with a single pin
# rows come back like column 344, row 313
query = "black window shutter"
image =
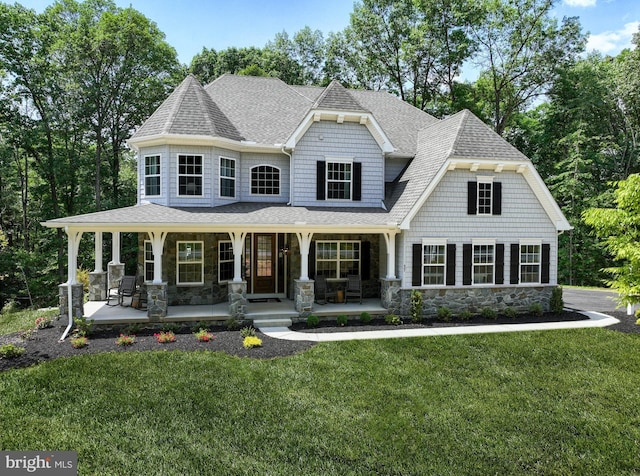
column 365, row 260
column 451, row 265
column 546, row 259
column 357, row 181
column 472, row 198
column 499, row 263
column 497, row 198
column 416, row 268
column 515, row 263
column 320, row 180
column 467, row 250
column 312, row 260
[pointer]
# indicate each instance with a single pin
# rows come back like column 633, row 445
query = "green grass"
column 22, row 320
column 565, row 402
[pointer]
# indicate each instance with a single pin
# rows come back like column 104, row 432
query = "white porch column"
column 98, row 252
column 115, row 248
column 72, row 255
column 157, row 239
column 237, row 241
column 390, row 239
column 304, row 239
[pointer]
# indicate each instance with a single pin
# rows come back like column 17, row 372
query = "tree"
column 619, row 228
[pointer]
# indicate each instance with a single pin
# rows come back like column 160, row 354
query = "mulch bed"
column 45, row 345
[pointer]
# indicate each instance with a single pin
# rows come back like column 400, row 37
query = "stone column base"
column 390, row 295
column 98, row 286
column 157, row 304
column 304, row 295
column 237, row 299
column 77, row 300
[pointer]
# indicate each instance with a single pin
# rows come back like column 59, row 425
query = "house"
column 249, row 187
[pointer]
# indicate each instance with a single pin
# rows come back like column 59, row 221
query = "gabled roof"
column 336, row 98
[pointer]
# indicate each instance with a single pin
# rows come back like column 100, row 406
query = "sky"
column 190, row 25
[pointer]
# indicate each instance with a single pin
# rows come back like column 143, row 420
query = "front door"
column 264, row 263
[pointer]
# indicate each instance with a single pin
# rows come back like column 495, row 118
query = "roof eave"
column 201, row 140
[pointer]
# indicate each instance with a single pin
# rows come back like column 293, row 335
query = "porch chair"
column 127, row 287
column 354, row 288
column 322, row 292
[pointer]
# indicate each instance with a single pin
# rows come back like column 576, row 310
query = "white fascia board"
column 199, row 140
column 546, row 199
column 345, row 116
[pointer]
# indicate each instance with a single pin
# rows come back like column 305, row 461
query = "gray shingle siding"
column 248, row 161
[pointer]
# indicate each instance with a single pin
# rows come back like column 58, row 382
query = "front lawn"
column 555, row 402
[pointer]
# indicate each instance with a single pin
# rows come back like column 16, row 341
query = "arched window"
column 265, row 180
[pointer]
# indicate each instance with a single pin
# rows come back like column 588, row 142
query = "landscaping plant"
column 250, row 342
column 11, row 351
column 556, row 303
column 342, row 320
column 536, row 309
column 416, row 306
column 203, row 335
column 489, row 313
column 365, row 317
column 313, row 321
column 125, row 340
column 444, row 313
column 247, row 331
column 78, row 342
column 165, row 337
column 393, row 319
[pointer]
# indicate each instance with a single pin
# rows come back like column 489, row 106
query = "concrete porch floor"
column 103, row 314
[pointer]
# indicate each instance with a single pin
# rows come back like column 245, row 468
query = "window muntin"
column 434, row 258
column 484, row 198
column 227, row 177
column 225, row 261
column 530, row 263
column 152, row 176
column 337, row 259
column 148, row 261
column 339, row 180
column 189, row 175
column 190, row 262
column 483, row 263
column 265, row 180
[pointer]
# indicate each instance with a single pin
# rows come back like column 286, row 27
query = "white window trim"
column 145, row 260
column 530, row 242
column 484, row 179
column 220, row 261
column 263, row 194
column 159, row 174
column 178, row 263
column 178, row 174
column 338, row 260
column 234, row 178
column 435, row 242
column 483, row 242
column 340, row 160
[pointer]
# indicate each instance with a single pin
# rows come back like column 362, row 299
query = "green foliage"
column 365, row 317
column 556, row 303
column 536, row 309
column 203, row 335
column 416, row 306
column 392, row 319
column 165, row 337
column 133, row 328
column 78, row 341
column 232, row 324
column 510, row 312
column 249, row 342
column 10, row 307
column 170, row 327
column 312, row 321
column 201, row 325
column 247, row 331
column 444, row 314
column 489, row 313
column 465, row 315
column 11, row 351
column 125, row 340
column 342, row 320
column 83, row 326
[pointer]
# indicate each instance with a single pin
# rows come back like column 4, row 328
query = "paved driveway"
column 591, row 300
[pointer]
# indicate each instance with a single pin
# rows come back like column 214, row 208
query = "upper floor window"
column 225, row 261
column 189, row 175
column 190, row 262
column 152, row 175
column 339, row 180
column 265, row 180
column 227, row 177
column 484, row 197
column 337, row 259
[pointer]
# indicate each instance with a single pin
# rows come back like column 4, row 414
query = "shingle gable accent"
column 337, row 98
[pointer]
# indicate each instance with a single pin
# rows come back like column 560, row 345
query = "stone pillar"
column 156, row 301
column 391, row 298
column 98, row 286
column 237, row 299
column 304, row 295
column 116, row 272
column 77, row 300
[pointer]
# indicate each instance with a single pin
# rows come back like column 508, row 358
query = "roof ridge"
column 337, row 87
column 182, row 92
column 463, row 121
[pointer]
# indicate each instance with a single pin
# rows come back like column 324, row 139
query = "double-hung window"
column 483, row 262
column 225, row 261
column 338, row 259
column 148, row 261
column 190, row 262
column 339, row 181
column 485, row 188
column 152, row 175
column 530, row 262
column 227, row 177
column 434, row 262
column 265, row 180
column 189, row 175
column 484, row 196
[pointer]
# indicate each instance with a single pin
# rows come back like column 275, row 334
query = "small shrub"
column 536, row 309
column 29, row 334
column 43, row 322
column 232, row 324
column 247, row 331
column 444, row 314
column 365, row 317
column 637, row 313
column 313, row 321
column 10, row 307
column 556, row 304
column 342, row 320
column 488, row 313
column 392, row 319
column 170, row 327
column 82, row 276
column 250, row 342
column 465, row 315
column 11, row 351
column 133, row 329
column 165, row 337
column 510, row 312
column 416, row 306
column 638, row 321
column 200, row 326
column 83, row 326
column 125, row 340
column 78, row 342
column 203, row 335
